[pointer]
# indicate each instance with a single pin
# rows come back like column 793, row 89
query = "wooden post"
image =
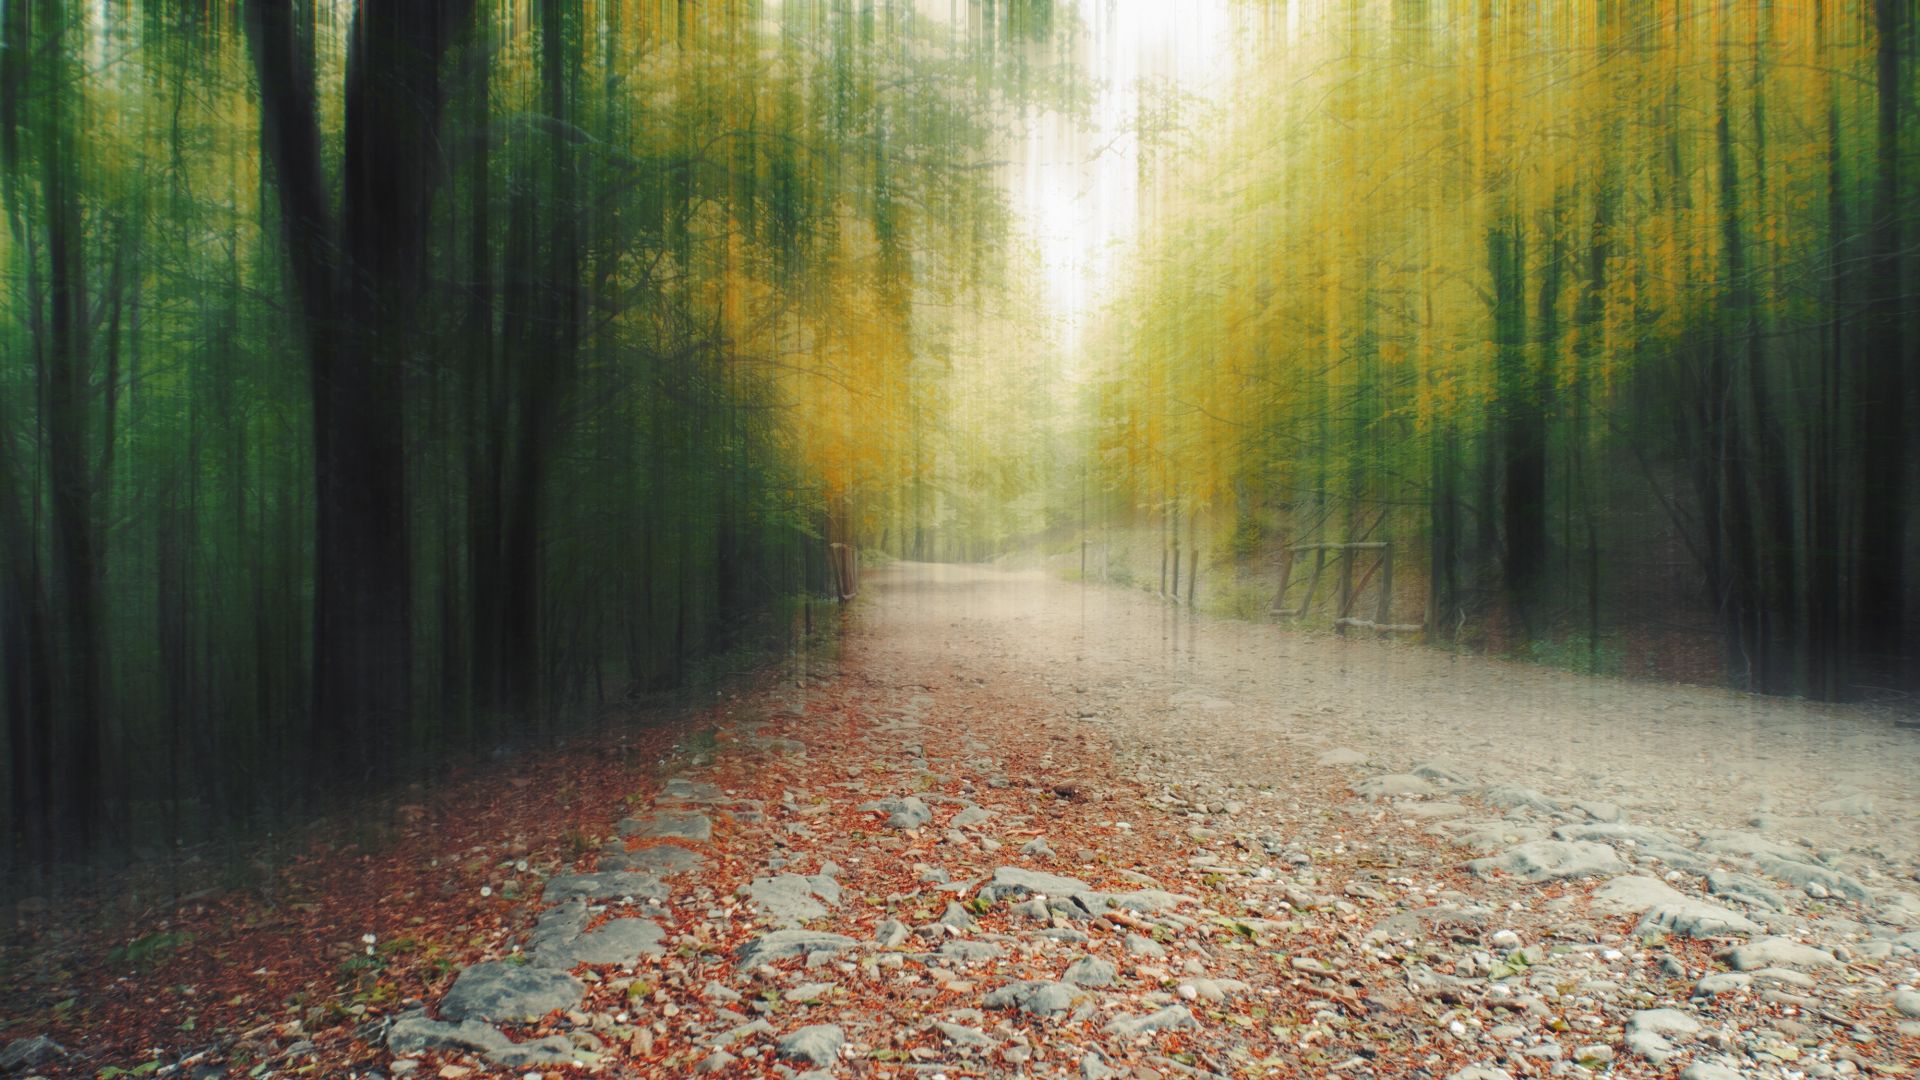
column 1385, row 607
column 1287, row 555
column 1345, row 607
column 1313, row 583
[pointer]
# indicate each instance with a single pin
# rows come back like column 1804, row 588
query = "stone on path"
column 791, row 899
column 1651, row 1031
column 785, row 944
column 1090, row 971
column 1692, row 918
column 506, row 992
column 1599, row 810
column 1507, row 797
column 664, row 860
column 1778, row 952
column 816, row 1044
column 1171, row 1018
column 416, row 1034
column 30, row 1053
column 669, row 825
column 1745, row 888
column 604, row 886
column 1141, row 945
column 1636, row 893
column 1381, row 787
column 1802, row 874
column 1605, row 831
column 1712, row 1070
column 1038, row 997
column 970, row 816
column 906, row 813
column 561, row 939
column 698, row 792
column 962, row 1035
column 1547, row 860
column 1012, row 881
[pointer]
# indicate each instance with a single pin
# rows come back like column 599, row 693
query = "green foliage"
column 150, row 951
column 1576, row 653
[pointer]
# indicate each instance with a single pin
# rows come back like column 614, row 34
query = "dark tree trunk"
column 357, row 287
column 1883, row 379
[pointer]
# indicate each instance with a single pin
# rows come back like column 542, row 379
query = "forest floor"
column 1021, row 827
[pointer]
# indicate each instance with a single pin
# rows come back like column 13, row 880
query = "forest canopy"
column 385, row 383
column 380, row 380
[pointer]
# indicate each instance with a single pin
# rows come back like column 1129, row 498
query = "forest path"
column 1253, row 703
column 1023, row 828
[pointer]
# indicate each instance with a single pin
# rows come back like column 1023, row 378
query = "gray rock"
column 1141, row 945
column 1035, row 909
column 1801, row 874
column 1713, row 1070
column 816, row 1044
column 1722, row 982
column 1488, row 836
column 962, row 1035
column 1090, row 971
column 1013, row 882
column 562, row 941
column 1779, row 952
column 1391, row 784
column 1513, row 798
column 1650, row 1032
column 1137, row 900
column 1598, row 810
column 1033, row 996
column 1745, row 888
column 31, row 1052
column 1615, row 832
column 664, row 860
column 506, row 992
column 1547, row 860
column 1171, row 1018
column 971, row 952
column 604, row 886
column 1213, row 990
column 905, row 813
column 785, row 944
column 956, row 917
column 698, row 792
column 790, row 899
column 1636, row 893
column 669, row 825
column 1907, row 1002
column 1750, row 846
column 1697, row 919
column 1443, row 773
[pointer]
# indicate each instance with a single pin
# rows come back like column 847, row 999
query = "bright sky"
column 1075, row 187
